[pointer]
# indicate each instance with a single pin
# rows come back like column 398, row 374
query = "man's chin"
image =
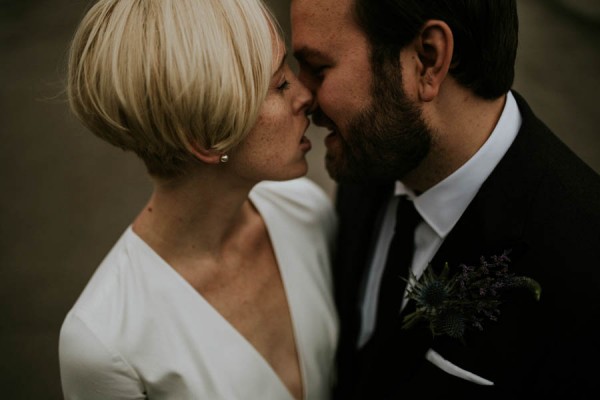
column 335, row 169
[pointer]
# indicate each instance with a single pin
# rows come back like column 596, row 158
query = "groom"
column 439, row 161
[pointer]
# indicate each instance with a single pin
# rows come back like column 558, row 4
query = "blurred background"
column 66, row 196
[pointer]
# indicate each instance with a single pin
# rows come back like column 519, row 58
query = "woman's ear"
column 435, row 47
column 207, row 156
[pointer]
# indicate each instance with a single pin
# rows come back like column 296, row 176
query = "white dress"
column 139, row 330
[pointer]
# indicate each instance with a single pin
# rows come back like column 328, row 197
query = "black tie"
column 397, row 265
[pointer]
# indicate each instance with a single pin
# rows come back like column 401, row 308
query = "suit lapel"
column 494, row 221
column 358, row 208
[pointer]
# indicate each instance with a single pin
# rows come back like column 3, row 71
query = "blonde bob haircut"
column 162, row 77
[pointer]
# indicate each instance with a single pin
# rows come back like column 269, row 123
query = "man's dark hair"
column 485, row 36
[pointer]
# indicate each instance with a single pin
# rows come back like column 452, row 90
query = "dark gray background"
column 66, row 196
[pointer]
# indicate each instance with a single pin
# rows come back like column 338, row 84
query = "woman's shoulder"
column 120, row 281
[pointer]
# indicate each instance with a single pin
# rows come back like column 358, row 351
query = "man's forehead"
column 325, row 19
column 319, row 11
column 319, row 35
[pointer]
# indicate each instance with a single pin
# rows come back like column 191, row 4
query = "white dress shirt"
column 440, row 207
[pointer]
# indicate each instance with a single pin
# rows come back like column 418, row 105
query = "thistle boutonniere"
column 451, row 304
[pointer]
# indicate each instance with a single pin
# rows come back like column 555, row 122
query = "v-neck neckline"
column 278, row 250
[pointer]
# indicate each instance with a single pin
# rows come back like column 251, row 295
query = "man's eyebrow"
column 305, row 53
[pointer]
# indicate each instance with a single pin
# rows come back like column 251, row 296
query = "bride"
column 220, row 288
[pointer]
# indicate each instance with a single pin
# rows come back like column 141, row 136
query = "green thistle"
column 451, row 304
column 451, row 324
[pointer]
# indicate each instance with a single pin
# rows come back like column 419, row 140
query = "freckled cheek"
column 269, row 144
column 278, row 125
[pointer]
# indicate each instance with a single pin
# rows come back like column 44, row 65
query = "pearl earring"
column 224, row 158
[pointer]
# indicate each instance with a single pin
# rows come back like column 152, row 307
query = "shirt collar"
column 442, row 205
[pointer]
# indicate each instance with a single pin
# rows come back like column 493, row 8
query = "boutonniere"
column 451, row 304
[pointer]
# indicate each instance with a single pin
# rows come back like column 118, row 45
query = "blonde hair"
column 159, row 76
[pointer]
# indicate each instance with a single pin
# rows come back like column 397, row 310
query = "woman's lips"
column 305, row 144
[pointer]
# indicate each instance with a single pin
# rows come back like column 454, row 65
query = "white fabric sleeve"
column 90, row 370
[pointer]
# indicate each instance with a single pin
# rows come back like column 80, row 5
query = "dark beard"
column 385, row 141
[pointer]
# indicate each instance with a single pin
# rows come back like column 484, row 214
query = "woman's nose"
column 306, row 100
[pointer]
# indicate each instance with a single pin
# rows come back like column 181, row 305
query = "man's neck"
column 461, row 123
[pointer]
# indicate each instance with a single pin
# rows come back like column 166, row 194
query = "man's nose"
column 312, row 107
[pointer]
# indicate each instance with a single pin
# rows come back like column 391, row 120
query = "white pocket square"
column 433, row 357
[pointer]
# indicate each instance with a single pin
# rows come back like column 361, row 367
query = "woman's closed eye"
column 282, row 87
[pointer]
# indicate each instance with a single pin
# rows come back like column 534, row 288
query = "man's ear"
column 207, row 156
column 435, row 46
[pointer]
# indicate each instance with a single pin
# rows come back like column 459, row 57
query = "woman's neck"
column 194, row 217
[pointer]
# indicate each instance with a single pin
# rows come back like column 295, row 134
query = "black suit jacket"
column 542, row 202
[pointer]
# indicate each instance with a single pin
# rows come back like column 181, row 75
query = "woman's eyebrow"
column 281, row 63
